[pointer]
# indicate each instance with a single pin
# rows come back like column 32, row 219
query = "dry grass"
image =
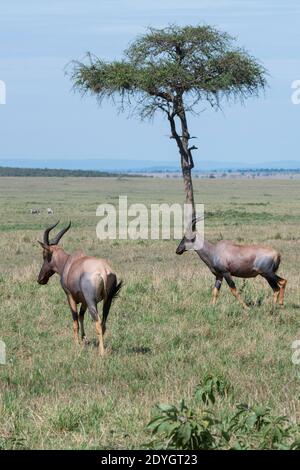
column 163, row 333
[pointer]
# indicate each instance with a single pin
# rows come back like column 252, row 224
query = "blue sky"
column 44, row 119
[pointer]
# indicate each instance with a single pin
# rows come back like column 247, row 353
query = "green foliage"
column 210, row 388
column 261, row 429
column 165, row 65
column 183, row 428
column 248, row 427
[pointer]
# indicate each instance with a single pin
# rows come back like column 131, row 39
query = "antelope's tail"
column 115, row 290
column 112, row 294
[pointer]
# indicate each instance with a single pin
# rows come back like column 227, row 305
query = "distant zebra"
column 35, row 211
column 50, row 211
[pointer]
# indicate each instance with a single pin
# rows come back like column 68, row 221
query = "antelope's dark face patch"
column 46, row 270
column 185, row 245
column 180, row 249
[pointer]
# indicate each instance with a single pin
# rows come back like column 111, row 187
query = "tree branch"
column 174, row 132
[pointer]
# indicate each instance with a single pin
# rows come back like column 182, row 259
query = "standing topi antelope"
column 85, row 280
column 226, row 259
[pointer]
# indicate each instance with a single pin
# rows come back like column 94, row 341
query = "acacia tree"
column 172, row 70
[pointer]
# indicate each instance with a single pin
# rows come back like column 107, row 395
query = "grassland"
column 163, row 333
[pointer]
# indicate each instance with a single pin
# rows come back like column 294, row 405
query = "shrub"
column 185, row 427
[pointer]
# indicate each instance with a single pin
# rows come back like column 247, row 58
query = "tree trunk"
column 188, row 187
column 187, row 163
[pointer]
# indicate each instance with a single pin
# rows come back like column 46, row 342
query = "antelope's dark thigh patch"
column 229, row 280
column 273, row 281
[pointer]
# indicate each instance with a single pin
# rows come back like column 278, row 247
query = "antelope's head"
column 191, row 239
column 49, row 248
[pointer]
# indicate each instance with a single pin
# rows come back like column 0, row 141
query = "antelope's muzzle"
column 180, row 250
column 42, row 280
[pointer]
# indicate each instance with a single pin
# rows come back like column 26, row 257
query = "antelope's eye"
column 193, row 240
column 47, row 255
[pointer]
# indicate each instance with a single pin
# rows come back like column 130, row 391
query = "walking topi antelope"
column 226, row 259
column 85, row 280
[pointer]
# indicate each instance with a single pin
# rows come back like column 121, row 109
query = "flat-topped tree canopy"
column 171, row 70
column 196, row 62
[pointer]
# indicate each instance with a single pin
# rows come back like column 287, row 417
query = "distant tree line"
column 9, row 171
column 49, row 172
column 263, row 170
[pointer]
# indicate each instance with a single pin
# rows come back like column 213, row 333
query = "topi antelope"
column 84, row 279
column 226, row 259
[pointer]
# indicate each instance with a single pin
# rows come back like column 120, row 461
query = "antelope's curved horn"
column 193, row 223
column 47, row 231
column 60, row 234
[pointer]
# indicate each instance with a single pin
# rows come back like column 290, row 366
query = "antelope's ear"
column 44, row 246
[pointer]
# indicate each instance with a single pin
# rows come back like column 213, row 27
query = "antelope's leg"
column 282, row 285
column 234, row 291
column 276, row 296
column 81, row 320
column 216, row 289
column 99, row 330
column 106, row 307
column 73, row 308
column 273, row 283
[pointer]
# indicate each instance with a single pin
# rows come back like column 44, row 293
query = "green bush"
column 246, row 427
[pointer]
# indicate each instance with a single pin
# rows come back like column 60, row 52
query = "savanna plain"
column 163, row 334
